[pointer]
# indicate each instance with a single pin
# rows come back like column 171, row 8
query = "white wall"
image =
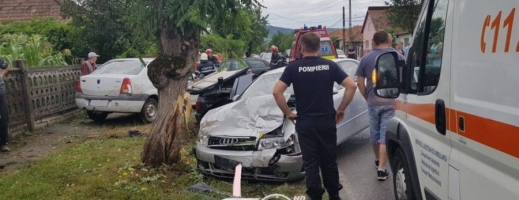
column 405, row 38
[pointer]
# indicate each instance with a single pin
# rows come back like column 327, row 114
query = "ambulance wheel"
column 403, row 186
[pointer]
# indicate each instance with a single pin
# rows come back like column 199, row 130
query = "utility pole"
column 351, row 38
column 344, row 29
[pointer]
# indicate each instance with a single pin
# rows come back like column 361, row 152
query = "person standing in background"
column 4, row 114
column 380, row 110
column 90, row 65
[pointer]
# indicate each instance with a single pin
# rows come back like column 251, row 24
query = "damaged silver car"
column 253, row 131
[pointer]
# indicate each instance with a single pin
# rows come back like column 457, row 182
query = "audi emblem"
column 228, row 140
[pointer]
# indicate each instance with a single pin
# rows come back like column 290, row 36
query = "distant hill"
column 274, row 29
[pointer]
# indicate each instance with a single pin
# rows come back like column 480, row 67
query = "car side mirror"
column 220, row 80
column 386, row 75
column 235, row 98
column 335, row 91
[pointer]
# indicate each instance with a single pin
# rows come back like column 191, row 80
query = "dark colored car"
column 219, row 88
column 256, row 66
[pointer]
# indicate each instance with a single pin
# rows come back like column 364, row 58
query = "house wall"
column 405, row 38
column 367, row 35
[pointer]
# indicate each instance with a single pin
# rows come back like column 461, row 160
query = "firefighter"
column 212, row 58
column 315, row 122
column 276, row 60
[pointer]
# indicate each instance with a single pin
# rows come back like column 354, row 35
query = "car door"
column 356, row 114
column 424, row 107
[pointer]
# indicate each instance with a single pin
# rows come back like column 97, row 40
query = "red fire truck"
column 327, row 48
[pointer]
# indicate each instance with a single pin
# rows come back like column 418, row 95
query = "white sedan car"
column 118, row 86
column 253, row 131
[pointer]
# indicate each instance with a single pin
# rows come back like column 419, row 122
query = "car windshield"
column 126, row 67
column 264, row 85
column 233, row 65
column 266, row 56
column 340, row 52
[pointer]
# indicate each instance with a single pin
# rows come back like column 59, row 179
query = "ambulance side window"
column 415, row 53
column 425, row 56
column 433, row 62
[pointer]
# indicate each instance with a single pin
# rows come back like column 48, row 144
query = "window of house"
column 406, row 41
column 425, row 56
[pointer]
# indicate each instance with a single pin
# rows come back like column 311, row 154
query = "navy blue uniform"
column 214, row 60
column 206, row 67
column 312, row 79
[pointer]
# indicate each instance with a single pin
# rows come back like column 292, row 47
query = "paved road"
column 357, row 171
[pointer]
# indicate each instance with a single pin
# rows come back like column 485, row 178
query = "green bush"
column 35, row 49
column 56, row 32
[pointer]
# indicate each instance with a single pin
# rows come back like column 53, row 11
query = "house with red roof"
column 25, row 10
column 353, row 38
column 377, row 20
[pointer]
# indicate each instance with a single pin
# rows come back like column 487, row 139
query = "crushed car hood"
column 244, row 118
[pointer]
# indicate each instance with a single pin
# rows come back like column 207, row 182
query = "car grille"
column 232, row 143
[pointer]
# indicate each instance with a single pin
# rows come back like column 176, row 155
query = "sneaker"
column 376, row 164
column 4, row 148
column 382, row 175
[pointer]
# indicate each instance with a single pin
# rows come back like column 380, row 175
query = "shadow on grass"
column 113, row 120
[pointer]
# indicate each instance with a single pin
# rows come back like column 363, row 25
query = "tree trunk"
column 169, row 73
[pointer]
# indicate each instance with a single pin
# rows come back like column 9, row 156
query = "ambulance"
column 327, row 48
column 455, row 134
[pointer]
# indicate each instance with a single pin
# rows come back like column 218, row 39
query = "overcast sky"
column 295, row 13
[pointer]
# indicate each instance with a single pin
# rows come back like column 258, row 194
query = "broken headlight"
column 275, row 142
column 203, row 139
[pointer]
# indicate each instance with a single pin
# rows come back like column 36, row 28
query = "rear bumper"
column 120, row 104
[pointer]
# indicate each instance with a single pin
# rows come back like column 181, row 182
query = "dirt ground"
column 28, row 147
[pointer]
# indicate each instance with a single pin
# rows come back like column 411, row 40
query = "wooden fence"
column 36, row 93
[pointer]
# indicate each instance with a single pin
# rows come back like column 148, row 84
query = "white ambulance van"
column 455, row 134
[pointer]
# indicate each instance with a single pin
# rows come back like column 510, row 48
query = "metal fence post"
column 26, row 92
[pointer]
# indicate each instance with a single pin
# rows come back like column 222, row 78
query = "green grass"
column 109, row 167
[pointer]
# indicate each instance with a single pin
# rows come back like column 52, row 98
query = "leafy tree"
column 247, row 25
column 404, row 13
column 260, row 32
column 177, row 26
column 230, row 47
column 103, row 26
column 55, row 32
column 336, row 41
column 282, row 41
column 34, row 49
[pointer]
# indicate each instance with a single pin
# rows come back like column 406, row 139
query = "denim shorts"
column 379, row 116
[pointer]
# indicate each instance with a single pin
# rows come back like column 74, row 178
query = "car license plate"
column 225, row 163
column 99, row 103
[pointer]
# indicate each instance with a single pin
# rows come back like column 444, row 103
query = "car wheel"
column 97, row 116
column 149, row 110
column 403, row 186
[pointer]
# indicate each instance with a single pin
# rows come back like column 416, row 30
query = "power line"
column 336, row 23
column 323, row 4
